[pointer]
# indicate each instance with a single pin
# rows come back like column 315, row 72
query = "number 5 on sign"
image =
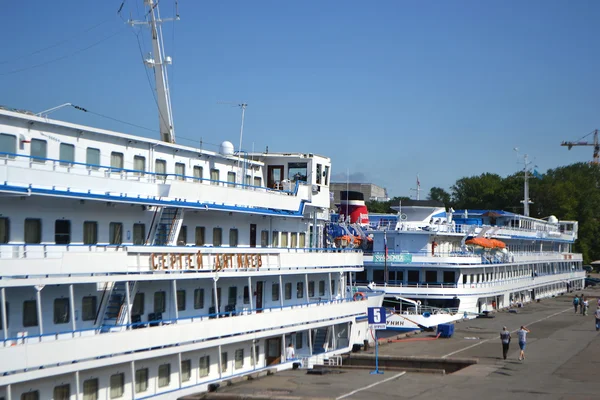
column 376, row 317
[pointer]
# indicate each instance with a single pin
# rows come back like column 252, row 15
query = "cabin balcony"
column 29, row 175
column 48, row 260
column 92, row 348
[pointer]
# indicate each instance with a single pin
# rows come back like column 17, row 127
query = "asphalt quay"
column 562, row 362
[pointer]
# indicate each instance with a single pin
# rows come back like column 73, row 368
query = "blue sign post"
column 376, row 319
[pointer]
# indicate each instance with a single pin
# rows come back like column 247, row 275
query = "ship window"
column 231, row 179
column 88, row 308
column 92, row 157
column 180, row 300
column 311, row 289
column 326, row 175
column 61, row 311
column 160, row 167
column 4, row 229
column 321, row 288
column 139, row 234
column 198, row 299
column 214, row 176
column 233, row 238
column 204, row 366
column 232, row 296
column 284, row 239
column 62, row 392
column 246, row 295
column 413, row 277
column 66, row 154
column 297, row 172
column 217, row 237
column 198, row 173
column 200, row 231
column 164, row 375
column 248, row 180
column 33, row 230
column 264, row 238
column 117, row 381
column 224, row 361
column 239, row 358
column 90, row 232
column 30, row 313
column 7, row 315
column 8, row 144
column 300, row 290
column 180, row 171
column 139, row 164
column 298, row 340
column 62, row 231
column 449, row 277
column 288, row 290
column 90, row 389
column 138, row 304
column 293, row 240
column 186, row 370
column 302, row 240
column 116, row 160
column 159, row 302
column 361, row 276
column 115, row 231
column 182, row 238
column 333, row 287
column 275, row 292
column 257, row 181
column 141, row 380
column 319, row 167
column 35, row 395
column 39, row 149
column 275, row 239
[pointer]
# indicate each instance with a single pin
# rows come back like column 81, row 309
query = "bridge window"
column 217, row 237
column 275, row 292
column 275, row 239
column 204, row 368
column 115, row 232
column 239, row 358
column 300, row 290
column 62, row 392
column 293, row 240
column 297, row 172
column 288, row 290
column 284, row 239
column 139, row 234
column 62, row 231
column 200, row 232
column 90, row 232
column 319, row 167
column 160, row 167
column 431, row 276
column 35, row 395
column 30, row 313
column 186, row 370
column 321, row 288
column 8, row 144
column 116, row 160
column 378, row 276
column 88, row 308
column 180, row 171
column 4, row 229
column 231, row 179
column 233, row 238
column 117, row 383
column 198, row 299
column 66, row 154
column 61, row 311
column 39, row 149
column 90, row 389
column 33, row 230
column 92, row 157
column 311, row 288
column 181, row 300
column 257, row 181
column 302, row 240
column 139, row 164
column 214, row 176
column 141, row 380
column 264, row 238
column 198, row 173
column 326, row 175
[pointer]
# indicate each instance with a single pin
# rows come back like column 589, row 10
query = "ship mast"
column 159, row 62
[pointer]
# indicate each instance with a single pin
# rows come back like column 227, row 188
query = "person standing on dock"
column 597, row 315
column 575, row 303
column 522, row 333
column 505, row 339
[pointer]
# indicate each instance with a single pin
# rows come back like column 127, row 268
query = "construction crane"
column 584, row 143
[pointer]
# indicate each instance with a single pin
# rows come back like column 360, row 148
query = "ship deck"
column 561, row 362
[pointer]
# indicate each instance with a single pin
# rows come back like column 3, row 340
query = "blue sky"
column 387, row 89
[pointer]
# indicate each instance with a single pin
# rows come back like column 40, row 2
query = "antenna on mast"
column 526, row 201
column 418, row 189
column 243, row 106
column 158, row 61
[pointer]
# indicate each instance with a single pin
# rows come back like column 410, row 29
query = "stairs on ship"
column 115, row 311
column 320, row 341
column 166, row 225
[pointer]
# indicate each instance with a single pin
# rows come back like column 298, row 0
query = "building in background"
column 369, row 190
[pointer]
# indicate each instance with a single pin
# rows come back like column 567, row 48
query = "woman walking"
column 522, row 333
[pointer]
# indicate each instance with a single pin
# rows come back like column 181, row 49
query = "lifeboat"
column 498, row 243
column 486, row 243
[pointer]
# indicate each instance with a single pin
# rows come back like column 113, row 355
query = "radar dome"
column 226, row 148
column 552, row 219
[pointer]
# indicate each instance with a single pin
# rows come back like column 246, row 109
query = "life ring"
column 403, row 217
column 357, row 295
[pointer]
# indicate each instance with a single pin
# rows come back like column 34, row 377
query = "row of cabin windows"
column 39, row 150
column 62, row 234
column 89, row 304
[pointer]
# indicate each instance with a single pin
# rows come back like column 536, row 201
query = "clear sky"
column 387, row 89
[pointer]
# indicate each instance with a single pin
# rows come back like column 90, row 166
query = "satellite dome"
column 226, row 148
column 552, row 219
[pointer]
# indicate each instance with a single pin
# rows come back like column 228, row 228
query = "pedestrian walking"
column 575, row 303
column 581, row 304
column 597, row 315
column 586, row 305
column 505, row 339
column 522, row 333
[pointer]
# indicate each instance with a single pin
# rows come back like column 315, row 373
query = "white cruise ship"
column 438, row 265
column 133, row 268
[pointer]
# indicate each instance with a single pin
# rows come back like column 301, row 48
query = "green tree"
column 439, row 194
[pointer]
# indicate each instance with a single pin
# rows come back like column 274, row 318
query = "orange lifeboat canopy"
column 479, row 241
column 498, row 243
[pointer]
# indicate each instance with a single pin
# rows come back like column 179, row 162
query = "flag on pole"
column 418, row 183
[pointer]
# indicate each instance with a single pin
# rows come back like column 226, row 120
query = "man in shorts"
column 522, row 333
